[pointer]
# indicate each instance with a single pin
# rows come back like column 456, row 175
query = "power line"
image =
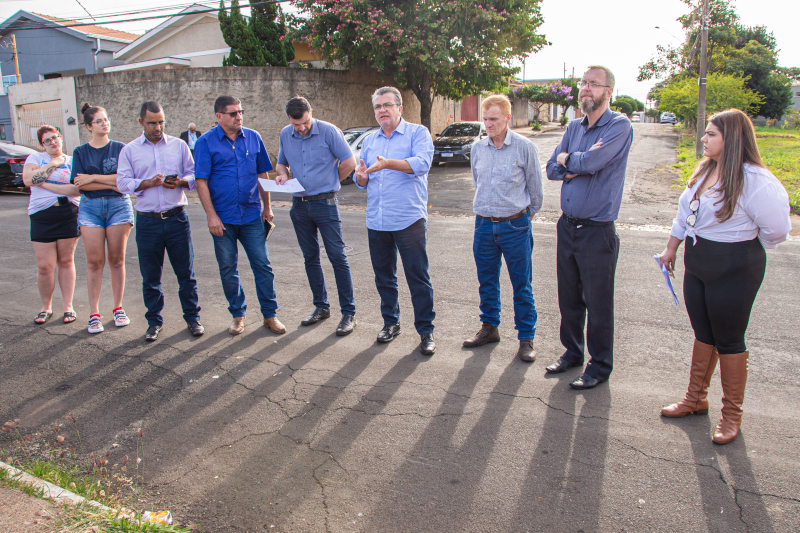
column 87, row 11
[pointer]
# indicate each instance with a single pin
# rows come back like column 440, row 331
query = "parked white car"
column 355, row 138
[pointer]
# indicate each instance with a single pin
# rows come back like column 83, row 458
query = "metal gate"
column 31, row 116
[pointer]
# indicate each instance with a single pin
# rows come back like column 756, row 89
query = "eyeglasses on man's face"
column 387, row 106
column 51, row 140
column 590, row 84
column 101, row 121
column 233, row 114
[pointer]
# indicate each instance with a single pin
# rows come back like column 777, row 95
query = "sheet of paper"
column 272, row 186
column 667, row 278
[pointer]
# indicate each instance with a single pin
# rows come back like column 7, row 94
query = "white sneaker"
column 120, row 318
column 95, row 326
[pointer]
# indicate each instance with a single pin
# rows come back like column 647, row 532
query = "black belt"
column 163, row 214
column 503, row 219
column 323, row 196
column 577, row 222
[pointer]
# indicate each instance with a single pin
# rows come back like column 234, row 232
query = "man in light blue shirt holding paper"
column 394, row 169
column 319, row 159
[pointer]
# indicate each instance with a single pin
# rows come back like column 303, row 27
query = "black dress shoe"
column 320, row 313
column 427, row 346
column 389, row 332
column 152, row 333
column 346, row 325
column 585, row 381
column 196, row 328
column 560, row 366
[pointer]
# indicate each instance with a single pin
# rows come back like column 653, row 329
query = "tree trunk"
column 420, row 84
column 425, row 106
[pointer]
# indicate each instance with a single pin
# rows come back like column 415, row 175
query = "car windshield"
column 461, row 130
column 350, row 136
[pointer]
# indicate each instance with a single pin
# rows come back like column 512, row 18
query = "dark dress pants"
column 154, row 236
column 411, row 243
column 586, row 265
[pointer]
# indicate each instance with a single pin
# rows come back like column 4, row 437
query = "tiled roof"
column 93, row 30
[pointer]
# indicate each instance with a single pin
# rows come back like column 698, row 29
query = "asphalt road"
column 309, row 432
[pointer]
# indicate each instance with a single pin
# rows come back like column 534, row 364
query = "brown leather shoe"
column 704, row 361
column 733, row 374
column 237, row 326
column 526, row 352
column 487, row 333
column 274, row 325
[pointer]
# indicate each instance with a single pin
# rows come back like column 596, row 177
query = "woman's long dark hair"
column 89, row 111
column 738, row 147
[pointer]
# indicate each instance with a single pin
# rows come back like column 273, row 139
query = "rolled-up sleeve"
column 533, row 178
column 187, row 172
column 679, row 222
column 421, row 152
column 769, row 209
column 126, row 180
column 614, row 145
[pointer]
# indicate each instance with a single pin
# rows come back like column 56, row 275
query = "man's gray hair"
column 609, row 75
column 192, row 124
column 398, row 98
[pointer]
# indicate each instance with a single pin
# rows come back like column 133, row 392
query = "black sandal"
column 42, row 317
column 70, row 317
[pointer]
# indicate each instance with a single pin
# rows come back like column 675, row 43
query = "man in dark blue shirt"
column 319, row 158
column 591, row 161
column 229, row 159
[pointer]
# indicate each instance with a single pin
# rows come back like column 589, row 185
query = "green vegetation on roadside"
column 51, row 458
column 780, row 151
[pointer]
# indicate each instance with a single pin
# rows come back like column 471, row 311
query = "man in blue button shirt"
column 229, row 159
column 591, row 161
column 319, row 158
column 398, row 158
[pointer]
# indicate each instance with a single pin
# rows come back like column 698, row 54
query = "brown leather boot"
column 274, row 325
column 704, row 361
column 487, row 333
column 237, row 326
column 526, row 352
column 733, row 374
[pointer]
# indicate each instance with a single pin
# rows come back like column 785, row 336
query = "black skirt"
column 54, row 223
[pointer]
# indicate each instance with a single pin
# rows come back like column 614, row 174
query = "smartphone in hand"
column 269, row 226
column 171, row 177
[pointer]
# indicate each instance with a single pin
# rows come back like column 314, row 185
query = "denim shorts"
column 105, row 211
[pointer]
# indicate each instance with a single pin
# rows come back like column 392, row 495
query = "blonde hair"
column 500, row 100
column 738, row 147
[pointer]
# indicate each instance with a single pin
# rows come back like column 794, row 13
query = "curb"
column 51, row 491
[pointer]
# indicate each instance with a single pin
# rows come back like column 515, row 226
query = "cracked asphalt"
column 309, row 432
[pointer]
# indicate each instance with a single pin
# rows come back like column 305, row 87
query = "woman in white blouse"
column 732, row 209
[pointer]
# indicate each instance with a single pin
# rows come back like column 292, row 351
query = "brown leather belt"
column 503, row 219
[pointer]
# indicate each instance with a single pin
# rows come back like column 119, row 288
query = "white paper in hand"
column 667, row 279
column 272, row 186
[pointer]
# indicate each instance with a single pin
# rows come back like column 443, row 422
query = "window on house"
column 3, row 132
column 7, row 81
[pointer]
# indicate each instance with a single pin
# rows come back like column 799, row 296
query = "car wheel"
column 348, row 180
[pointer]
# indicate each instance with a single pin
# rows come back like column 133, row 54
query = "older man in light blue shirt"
column 394, row 169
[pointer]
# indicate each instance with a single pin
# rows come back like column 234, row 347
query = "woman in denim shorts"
column 105, row 216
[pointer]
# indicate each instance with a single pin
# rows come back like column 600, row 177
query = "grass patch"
column 780, row 151
column 103, row 478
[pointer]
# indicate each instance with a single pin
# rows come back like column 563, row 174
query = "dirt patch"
column 23, row 513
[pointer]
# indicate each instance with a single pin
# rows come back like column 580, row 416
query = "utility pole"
column 565, row 69
column 701, row 102
column 16, row 61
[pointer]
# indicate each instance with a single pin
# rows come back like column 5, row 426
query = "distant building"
column 49, row 48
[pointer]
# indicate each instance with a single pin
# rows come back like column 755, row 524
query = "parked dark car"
column 455, row 142
column 12, row 159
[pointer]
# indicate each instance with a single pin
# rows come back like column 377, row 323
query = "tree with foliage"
column 635, row 105
column 623, row 106
column 450, row 48
column 747, row 52
column 258, row 42
column 723, row 91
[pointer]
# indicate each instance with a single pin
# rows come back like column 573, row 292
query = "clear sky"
column 620, row 34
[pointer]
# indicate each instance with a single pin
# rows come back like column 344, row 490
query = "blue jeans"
column 253, row 237
column 513, row 241
column 323, row 215
column 410, row 242
column 105, row 211
column 173, row 235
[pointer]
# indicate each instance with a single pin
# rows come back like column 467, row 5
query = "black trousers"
column 586, row 265
column 720, row 285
